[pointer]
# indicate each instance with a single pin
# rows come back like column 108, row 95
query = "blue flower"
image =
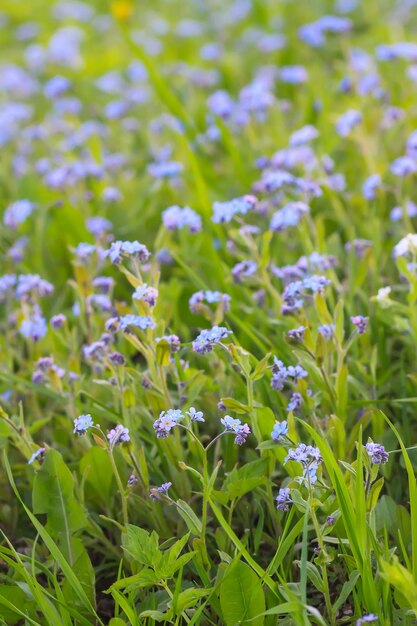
column 243, row 270
column 146, row 293
column 37, row 455
column 295, row 402
column 205, row 341
column 226, row 211
column 195, row 416
column 235, row 426
column 327, row 330
column 138, row 321
column 348, row 121
column 34, row 327
column 370, row 186
column 403, row 166
column 283, row 499
column 82, row 423
column 17, row 213
column 166, row 421
column 366, row 619
column 118, row 435
column 280, row 430
column 122, row 249
column 156, row 492
column 175, row 218
column 377, row 453
column 360, row 322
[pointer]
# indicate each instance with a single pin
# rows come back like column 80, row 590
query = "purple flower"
column 118, row 435
column 208, row 338
column 165, row 169
column 310, row 459
column 82, row 423
column 370, row 186
column 132, row 480
column 195, row 416
column 172, row 340
column 34, row 327
column 283, row 499
column 327, row 330
column 366, row 619
column 146, row 293
column 360, row 322
column 359, row 246
column 175, row 218
column 128, row 249
column 243, row 270
column 293, row 74
column 166, row 421
column 290, row 215
column 98, row 225
column 57, row 321
column 403, row 166
column 295, row 402
column 347, row 122
column 279, row 430
column 137, row 321
column 304, row 135
column 226, row 211
column 17, row 213
column 117, row 358
column 211, row 297
column 377, row 453
column 37, row 455
column 157, row 491
column 297, row 334
column 32, row 285
column 235, row 426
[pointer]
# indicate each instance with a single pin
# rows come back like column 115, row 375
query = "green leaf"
column 53, row 495
column 141, row 545
column 241, row 596
column 189, row 517
column 235, row 405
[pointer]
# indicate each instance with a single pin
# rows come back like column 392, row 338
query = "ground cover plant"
column 208, row 309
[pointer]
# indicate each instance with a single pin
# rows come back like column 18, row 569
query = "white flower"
column 406, row 245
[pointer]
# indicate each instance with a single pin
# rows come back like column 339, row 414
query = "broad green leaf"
column 241, row 596
column 141, row 545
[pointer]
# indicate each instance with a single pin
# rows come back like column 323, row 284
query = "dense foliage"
column 208, row 309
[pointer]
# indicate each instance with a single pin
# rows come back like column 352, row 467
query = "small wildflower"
column 156, row 492
column 327, row 330
column 166, row 421
column 295, row 402
column 205, row 341
column 146, row 293
column 82, row 423
column 235, row 425
column 132, row 480
column 279, row 430
column 330, row 521
column 297, row 334
column 195, row 416
column 366, row 619
column 360, row 322
column 37, row 455
column 118, row 435
column 377, row 453
column 57, row 321
column 125, row 249
column 283, row 499
column 138, row 321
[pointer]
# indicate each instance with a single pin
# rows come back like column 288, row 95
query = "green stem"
column 120, row 487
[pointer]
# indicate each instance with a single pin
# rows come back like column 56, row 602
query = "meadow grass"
column 208, row 308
